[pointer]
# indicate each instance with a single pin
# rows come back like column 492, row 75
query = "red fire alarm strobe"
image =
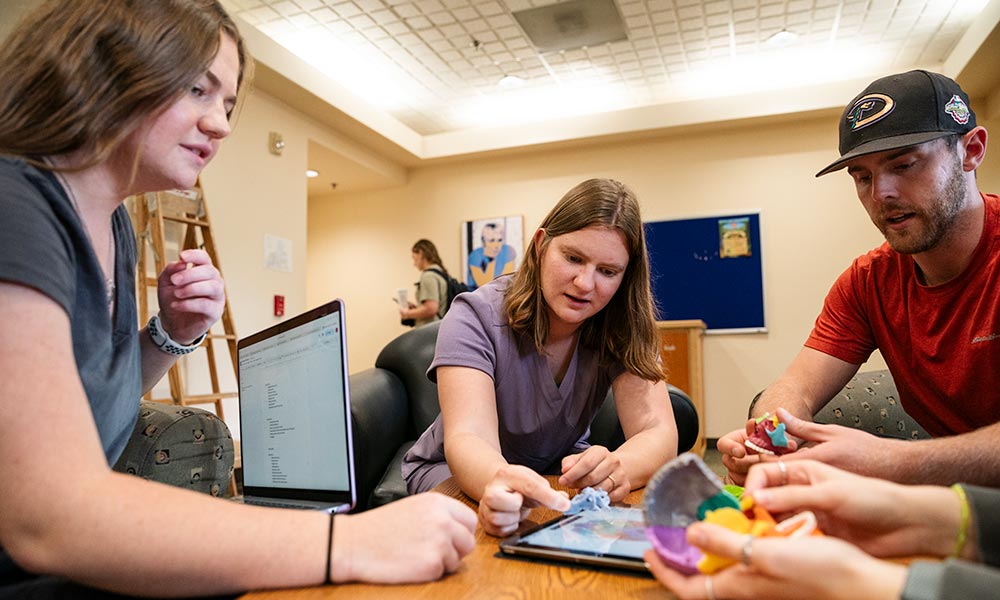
column 279, row 306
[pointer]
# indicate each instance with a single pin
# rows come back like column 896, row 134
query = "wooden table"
column 485, row 575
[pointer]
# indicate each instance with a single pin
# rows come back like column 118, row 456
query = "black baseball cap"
column 899, row 111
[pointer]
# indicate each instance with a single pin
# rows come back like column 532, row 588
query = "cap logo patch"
column 870, row 109
column 957, row 109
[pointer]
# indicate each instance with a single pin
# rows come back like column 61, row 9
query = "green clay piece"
column 723, row 499
column 735, row 490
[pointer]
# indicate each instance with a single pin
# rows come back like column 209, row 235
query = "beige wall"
column 251, row 192
column 359, row 243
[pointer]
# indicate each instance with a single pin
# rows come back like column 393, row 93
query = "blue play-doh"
column 589, row 499
column 778, row 437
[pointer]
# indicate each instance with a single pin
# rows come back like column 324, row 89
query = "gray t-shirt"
column 45, row 247
column 539, row 422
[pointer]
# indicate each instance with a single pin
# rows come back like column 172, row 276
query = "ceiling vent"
column 572, row 24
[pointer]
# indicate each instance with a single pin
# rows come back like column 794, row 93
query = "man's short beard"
column 942, row 216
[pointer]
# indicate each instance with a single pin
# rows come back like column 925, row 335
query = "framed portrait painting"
column 490, row 248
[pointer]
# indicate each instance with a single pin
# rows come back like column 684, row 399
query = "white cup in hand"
column 401, row 298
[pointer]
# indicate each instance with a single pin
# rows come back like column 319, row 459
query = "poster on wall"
column 734, row 237
column 490, row 248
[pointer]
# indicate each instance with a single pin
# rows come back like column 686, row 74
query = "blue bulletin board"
column 709, row 268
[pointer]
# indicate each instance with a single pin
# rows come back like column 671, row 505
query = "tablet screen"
column 613, row 537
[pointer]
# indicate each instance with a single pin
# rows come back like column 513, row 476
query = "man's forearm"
column 781, row 395
column 972, row 457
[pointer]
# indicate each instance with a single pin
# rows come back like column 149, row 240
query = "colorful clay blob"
column 685, row 490
column 672, row 501
column 768, row 436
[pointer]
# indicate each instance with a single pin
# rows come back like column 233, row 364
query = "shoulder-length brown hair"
column 79, row 77
column 430, row 253
column 626, row 329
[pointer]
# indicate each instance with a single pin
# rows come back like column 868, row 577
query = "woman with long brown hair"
column 524, row 363
column 102, row 100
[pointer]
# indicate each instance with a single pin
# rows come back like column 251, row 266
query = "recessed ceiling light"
column 782, row 38
column 311, row 173
column 510, row 81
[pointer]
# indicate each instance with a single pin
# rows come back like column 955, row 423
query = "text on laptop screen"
column 291, row 391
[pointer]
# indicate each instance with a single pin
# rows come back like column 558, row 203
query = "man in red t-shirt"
column 928, row 298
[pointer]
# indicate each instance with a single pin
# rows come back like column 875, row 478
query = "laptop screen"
column 294, row 409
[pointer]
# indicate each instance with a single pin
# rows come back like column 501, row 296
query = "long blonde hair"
column 625, row 330
column 79, row 77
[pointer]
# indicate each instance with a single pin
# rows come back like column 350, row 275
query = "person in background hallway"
column 102, row 100
column 928, row 299
column 432, row 289
column 524, row 363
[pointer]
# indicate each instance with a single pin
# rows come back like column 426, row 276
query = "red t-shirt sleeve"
column 842, row 329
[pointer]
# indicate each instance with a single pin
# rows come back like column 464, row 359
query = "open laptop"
column 295, row 414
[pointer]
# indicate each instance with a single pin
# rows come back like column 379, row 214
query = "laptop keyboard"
column 275, row 504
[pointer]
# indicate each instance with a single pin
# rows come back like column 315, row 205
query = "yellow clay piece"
column 731, row 519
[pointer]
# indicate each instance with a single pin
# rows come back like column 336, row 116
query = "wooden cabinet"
column 683, row 363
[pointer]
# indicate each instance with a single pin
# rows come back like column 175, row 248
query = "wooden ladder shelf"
column 151, row 214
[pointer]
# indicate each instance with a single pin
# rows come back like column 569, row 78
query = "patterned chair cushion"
column 870, row 402
column 180, row 445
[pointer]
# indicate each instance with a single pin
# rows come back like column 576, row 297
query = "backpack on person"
column 454, row 288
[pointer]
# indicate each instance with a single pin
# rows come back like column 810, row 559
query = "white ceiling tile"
column 773, row 10
column 489, row 9
column 367, row 6
column 662, row 29
column 264, row 14
column 455, row 31
column 429, row 6
column 406, row 10
column 690, row 12
column 632, row 9
column 325, row 15
column 286, row 8
column 419, row 23
column 346, row 10
column 441, row 18
column 361, row 22
column 716, row 8
column 430, row 35
column 245, row 5
column 477, row 26
column 465, row 13
column 716, row 20
column 693, row 37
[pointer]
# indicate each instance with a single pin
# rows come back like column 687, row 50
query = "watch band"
column 162, row 341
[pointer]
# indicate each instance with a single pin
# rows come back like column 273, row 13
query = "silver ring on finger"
column 747, row 552
column 709, row 589
column 784, row 472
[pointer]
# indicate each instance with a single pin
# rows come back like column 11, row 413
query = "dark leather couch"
column 394, row 402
